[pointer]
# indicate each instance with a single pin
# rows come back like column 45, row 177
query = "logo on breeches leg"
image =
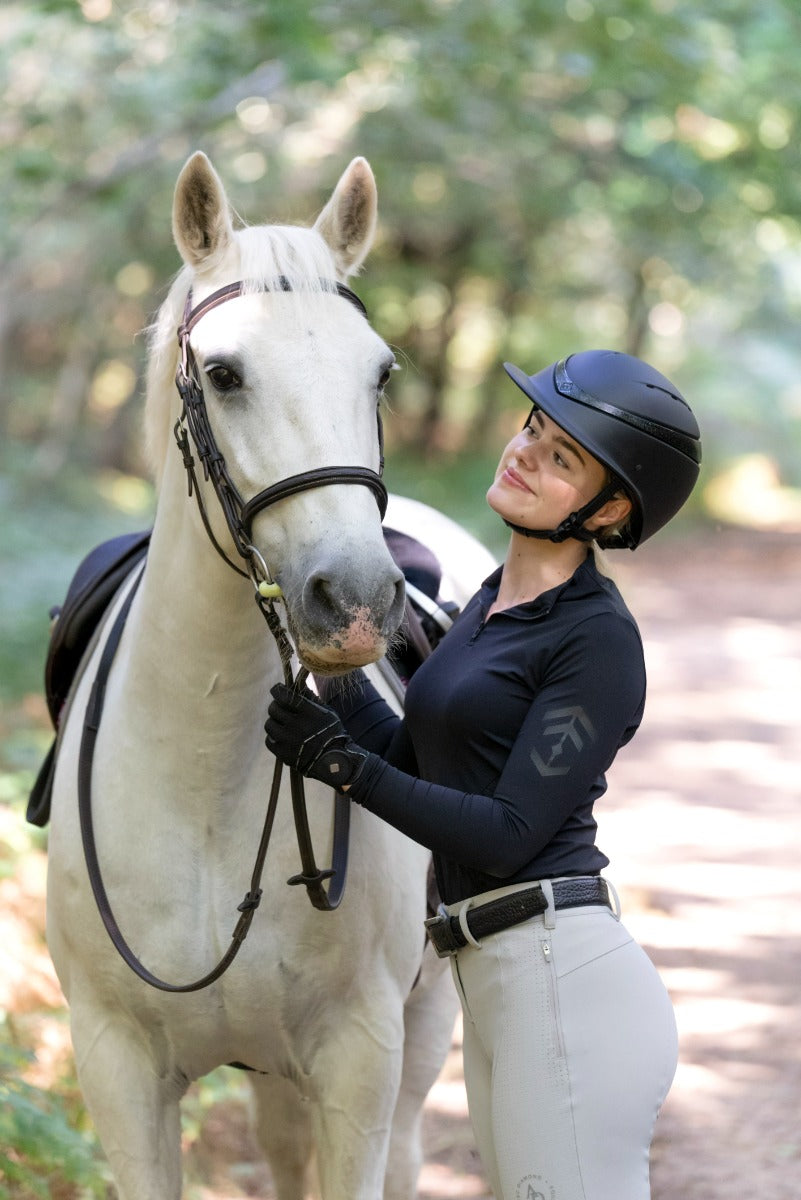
column 534, row 1187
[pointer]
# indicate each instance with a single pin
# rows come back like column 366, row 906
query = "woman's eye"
column 223, row 379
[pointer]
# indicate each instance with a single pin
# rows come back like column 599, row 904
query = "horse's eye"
column 222, row 378
column 385, row 375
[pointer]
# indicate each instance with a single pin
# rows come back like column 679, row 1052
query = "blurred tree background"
column 553, row 175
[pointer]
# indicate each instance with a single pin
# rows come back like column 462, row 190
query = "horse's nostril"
column 399, row 601
column 328, row 602
column 396, row 595
column 319, row 593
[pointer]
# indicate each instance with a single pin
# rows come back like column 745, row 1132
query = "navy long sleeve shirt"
column 508, row 731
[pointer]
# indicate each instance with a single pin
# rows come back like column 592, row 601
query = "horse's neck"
column 199, row 659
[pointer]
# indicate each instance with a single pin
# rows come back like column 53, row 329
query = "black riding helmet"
column 634, row 421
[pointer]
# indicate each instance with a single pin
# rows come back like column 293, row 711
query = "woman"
column 569, row 1036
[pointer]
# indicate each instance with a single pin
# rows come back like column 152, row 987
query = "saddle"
column 104, row 570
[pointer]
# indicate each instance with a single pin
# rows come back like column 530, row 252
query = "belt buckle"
column 440, row 933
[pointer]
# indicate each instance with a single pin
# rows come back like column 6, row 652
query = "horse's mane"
column 266, row 253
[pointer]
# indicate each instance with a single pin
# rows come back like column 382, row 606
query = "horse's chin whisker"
column 397, row 642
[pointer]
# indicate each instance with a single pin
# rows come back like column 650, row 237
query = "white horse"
column 327, row 1006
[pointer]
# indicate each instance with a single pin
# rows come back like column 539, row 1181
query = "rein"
column 239, row 515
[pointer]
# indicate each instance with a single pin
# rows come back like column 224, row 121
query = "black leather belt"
column 446, row 934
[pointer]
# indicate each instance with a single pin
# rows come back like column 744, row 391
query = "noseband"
column 194, row 420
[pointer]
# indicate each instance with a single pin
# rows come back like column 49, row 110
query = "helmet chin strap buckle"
column 573, row 526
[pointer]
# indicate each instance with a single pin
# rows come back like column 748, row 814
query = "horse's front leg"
column 283, row 1128
column 357, row 1074
column 132, row 1099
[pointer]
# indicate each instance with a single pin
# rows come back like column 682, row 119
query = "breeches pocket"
column 582, row 938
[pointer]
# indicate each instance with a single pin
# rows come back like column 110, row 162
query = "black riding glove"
column 308, row 735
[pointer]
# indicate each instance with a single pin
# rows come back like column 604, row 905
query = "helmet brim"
column 556, row 406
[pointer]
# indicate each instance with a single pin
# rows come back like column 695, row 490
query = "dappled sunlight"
column 750, row 492
column 703, row 1085
column 550, row 177
column 452, row 1166
column 741, row 1022
column 448, row 1097
column 127, row 493
column 703, row 828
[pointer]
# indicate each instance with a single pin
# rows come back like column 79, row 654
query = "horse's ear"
column 348, row 221
column 201, row 215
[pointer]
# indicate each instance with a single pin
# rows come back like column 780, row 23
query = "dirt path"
column 706, row 827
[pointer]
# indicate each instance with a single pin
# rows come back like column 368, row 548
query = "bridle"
column 194, row 420
column 194, row 429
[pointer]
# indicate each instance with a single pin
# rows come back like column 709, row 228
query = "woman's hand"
column 309, row 736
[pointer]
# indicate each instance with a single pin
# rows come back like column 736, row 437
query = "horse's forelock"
column 300, row 255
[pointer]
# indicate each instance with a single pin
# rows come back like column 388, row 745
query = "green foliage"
column 47, row 531
column 40, row 1150
column 553, row 175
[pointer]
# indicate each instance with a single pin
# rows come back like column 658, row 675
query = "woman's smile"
column 511, row 477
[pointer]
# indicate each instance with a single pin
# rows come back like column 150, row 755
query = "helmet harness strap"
column 573, row 526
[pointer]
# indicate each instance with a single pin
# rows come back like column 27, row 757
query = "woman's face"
column 543, row 476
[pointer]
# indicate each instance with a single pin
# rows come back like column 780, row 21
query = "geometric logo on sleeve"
column 567, row 729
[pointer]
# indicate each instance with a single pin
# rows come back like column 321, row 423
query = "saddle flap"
column 92, row 589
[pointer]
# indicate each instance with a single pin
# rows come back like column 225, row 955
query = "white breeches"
column 570, row 1048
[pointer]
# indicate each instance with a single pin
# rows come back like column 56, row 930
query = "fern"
column 41, row 1155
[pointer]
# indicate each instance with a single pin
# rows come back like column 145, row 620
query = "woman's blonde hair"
column 609, row 536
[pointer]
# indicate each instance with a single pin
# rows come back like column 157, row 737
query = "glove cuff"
column 341, row 765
